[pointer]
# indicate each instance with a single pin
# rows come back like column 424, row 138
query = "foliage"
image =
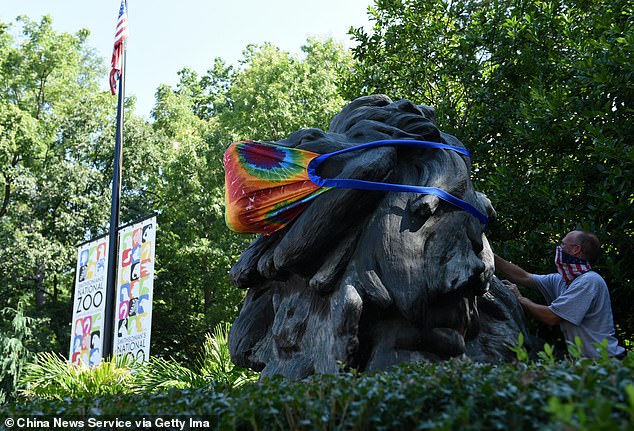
column 56, row 145
column 14, row 352
column 422, row 51
column 39, row 154
column 541, row 93
column 268, row 96
column 194, row 250
column 212, row 367
column 277, row 93
column 50, row 376
column 520, row 351
column 580, row 394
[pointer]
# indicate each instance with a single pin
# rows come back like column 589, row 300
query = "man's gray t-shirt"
column 585, row 308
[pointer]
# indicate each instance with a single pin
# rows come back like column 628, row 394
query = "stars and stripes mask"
column 568, row 266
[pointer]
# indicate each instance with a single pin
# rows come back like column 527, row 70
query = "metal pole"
column 111, row 286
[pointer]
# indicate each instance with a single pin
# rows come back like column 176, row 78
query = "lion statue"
column 367, row 279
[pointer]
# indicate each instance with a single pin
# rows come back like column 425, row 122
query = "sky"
column 166, row 36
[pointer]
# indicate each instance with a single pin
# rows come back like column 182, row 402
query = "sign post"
column 117, row 83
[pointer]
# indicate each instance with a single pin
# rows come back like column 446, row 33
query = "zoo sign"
column 89, row 304
column 132, row 316
column 135, row 286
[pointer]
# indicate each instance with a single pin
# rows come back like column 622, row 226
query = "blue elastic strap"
column 349, row 183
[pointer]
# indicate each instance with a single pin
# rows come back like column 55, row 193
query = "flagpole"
column 111, row 286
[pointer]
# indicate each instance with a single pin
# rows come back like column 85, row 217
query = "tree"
column 269, row 96
column 541, row 92
column 48, row 107
column 276, row 93
column 15, row 335
column 56, row 146
column 50, row 163
column 423, row 51
column 194, row 249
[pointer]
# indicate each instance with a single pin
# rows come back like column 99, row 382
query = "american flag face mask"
column 570, row 267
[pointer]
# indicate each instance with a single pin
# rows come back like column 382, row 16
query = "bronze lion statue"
column 367, row 279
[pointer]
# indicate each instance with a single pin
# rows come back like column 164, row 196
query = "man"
column 577, row 297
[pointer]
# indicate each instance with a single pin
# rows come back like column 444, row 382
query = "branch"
column 7, row 187
column 7, row 196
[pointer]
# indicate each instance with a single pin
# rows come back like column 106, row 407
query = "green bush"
column 15, row 335
column 212, row 367
column 51, row 377
column 578, row 394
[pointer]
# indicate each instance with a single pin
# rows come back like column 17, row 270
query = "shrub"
column 212, row 367
column 578, row 394
column 15, row 334
column 51, row 377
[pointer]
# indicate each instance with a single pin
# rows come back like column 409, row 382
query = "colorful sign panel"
column 86, row 340
column 133, row 318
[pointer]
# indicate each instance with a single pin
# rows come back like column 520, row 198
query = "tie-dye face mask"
column 267, row 186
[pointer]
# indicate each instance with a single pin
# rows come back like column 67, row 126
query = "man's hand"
column 513, row 288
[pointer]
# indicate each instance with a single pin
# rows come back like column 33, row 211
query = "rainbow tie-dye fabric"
column 266, row 186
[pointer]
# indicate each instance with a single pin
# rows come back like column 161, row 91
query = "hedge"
column 547, row 395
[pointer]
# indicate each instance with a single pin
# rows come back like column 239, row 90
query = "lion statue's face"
column 424, row 261
column 413, row 263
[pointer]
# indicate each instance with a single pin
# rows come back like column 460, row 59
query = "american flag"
column 569, row 266
column 120, row 36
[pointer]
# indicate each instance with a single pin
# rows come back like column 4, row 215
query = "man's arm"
column 538, row 311
column 514, row 273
